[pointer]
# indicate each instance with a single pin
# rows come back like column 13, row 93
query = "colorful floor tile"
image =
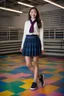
column 16, row 78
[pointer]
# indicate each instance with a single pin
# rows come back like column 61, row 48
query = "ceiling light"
column 21, row 3
column 54, row 4
column 12, row 10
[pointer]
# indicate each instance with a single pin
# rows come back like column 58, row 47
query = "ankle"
column 35, row 81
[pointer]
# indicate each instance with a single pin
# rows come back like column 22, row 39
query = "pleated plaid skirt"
column 32, row 46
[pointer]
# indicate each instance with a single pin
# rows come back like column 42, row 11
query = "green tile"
column 14, row 95
column 16, row 83
column 51, row 70
column 51, row 64
column 2, row 71
column 14, row 87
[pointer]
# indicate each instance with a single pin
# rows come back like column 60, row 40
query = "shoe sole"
column 32, row 89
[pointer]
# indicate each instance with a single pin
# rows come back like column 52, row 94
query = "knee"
column 35, row 64
column 28, row 65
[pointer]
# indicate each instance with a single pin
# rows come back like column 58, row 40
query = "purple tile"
column 55, row 94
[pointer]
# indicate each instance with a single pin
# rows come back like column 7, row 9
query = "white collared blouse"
column 37, row 31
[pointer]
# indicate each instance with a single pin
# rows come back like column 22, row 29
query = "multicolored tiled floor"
column 16, row 78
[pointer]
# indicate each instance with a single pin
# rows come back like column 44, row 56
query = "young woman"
column 32, row 44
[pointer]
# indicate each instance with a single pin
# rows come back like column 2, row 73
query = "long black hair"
column 37, row 17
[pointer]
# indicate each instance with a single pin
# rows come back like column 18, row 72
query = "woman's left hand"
column 42, row 51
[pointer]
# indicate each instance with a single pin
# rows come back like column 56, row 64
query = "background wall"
column 51, row 15
column 12, row 24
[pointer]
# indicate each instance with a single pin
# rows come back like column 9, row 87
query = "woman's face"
column 33, row 13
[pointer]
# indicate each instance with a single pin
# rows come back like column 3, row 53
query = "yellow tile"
column 28, row 80
column 26, row 86
column 55, row 78
column 28, row 83
column 6, row 93
column 56, row 71
column 8, row 80
column 46, row 72
column 47, row 89
column 28, row 93
column 5, row 65
column 50, row 72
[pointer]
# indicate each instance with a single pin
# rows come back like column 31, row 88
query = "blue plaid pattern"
column 32, row 46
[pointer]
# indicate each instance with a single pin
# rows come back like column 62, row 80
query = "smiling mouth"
column 33, row 15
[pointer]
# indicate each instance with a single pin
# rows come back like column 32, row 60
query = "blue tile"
column 61, row 90
column 3, row 56
column 2, row 83
column 47, row 75
column 61, row 73
column 59, row 84
column 1, row 89
column 61, row 80
column 23, row 69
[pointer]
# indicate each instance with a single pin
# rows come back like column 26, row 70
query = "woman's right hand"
column 20, row 50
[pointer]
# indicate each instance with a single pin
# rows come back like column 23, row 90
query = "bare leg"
column 29, row 63
column 36, row 68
